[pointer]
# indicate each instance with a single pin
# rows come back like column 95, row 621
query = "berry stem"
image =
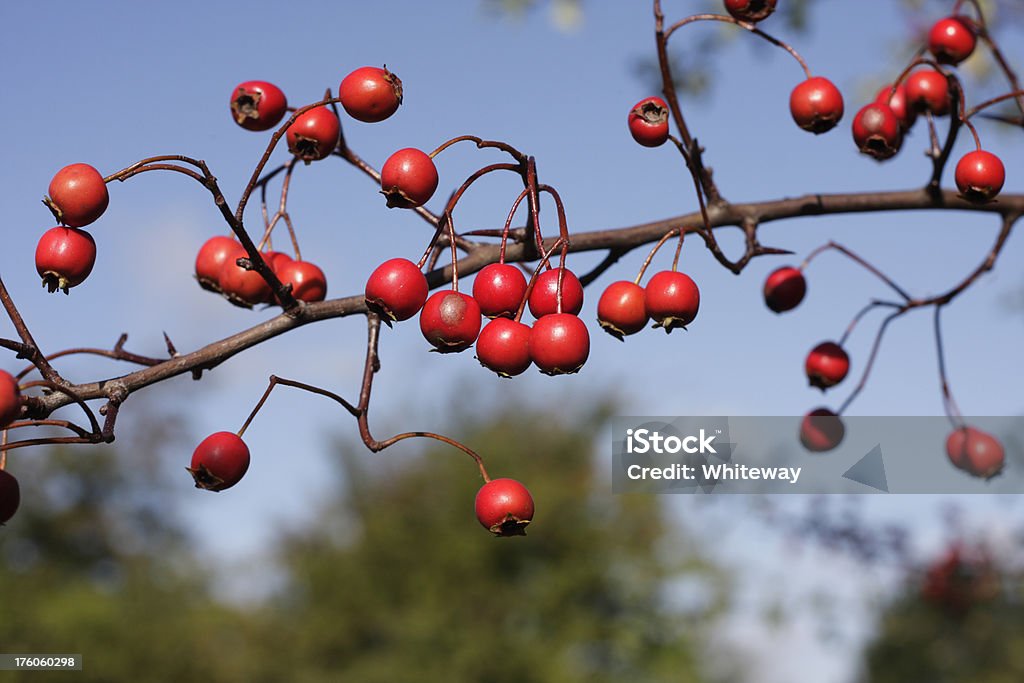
column 948, row 402
column 871, row 360
column 654, row 250
column 1017, row 94
column 860, row 261
column 508, row 223
column 860, row 314
column 481, row 144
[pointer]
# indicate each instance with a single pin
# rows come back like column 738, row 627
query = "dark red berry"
column 821, row 430
column 952, row 39
column 499, row 289
column 504, row 347
column 64, row 258
column 10, row 496
column 648, row 122
column 504, row 507
column 622, row 309
column 672, row 299
column 370, row 94
column 928, row 90
column 219, row 461
column 559, row 344
column 408, row 178
column 10, row 399
column 979, row 176
column 897, row 101
column 784, row 289
column 211, row 258
column 544, row 297
column 976, row 452
column 750, row 10
column 827, row 365
column 450, row 321
column 877, row 131
column 397, row 289
column 816, row 105
column 308, row 282
column 242, row 287
column 314, row 134
column 276, row 260
column 258, row 105
column 79, row 195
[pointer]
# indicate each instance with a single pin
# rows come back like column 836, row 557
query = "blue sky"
column 139, row 79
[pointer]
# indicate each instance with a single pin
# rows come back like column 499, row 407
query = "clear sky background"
column 137, row 79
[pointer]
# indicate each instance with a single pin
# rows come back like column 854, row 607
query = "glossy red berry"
column 980, row 176
column 504, row 347
column 408, row 178
column 672, row 299
column 827, row 365
column 242, row 287
column 10, row 496
column 544, row 297
column 79, row 195
column 276, row 260
column 64, row 258
column 648, row 122
column 450, row 321
column 211, row 258
column 928, row 90
column 219, row 461
column 897, row 101
column 976, row 452
column 504, row 507
column 10, row 399
column 877, row 131
column 499, row 289
column 952, row 39
column 559, row 344
column 784, row 289
column 258, row 105
column 750, row 10
column 816, row 105
column 622, row 309
column 370, row 94
column 308, row 282
column 397, row 289
column 821, row 430
column 314, row 134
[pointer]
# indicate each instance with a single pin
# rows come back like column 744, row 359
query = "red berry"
column 672, row 299
column 897, row 101
column 242, row 287
column 499, row 289
column 648, row 122
column 827, row 365
column 821, row 430
column 408, row 178
column 622, row 309
column 877, row 132
column 315, row 134
column 396, row 289
column 504, row 347
column 64, row 258
column 219, row 462
column 308, row 282
column 928, row 90
column 370, row 94
column 559, row 344
column 976, row 452
column 784, row 289
column 504, row 507
column 10, row 399
column 276, row 260
column 10, row 496
column 450, row 321
column 952, row 39
column 750, row 10
column 979, row 176
column 258, row 105
column 211, row 257
column 79, row 194
column 544, row 297
column 816, row 105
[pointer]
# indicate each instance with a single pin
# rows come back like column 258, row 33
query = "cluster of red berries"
column 671, row 299
column 10, row 409
column 66, row 254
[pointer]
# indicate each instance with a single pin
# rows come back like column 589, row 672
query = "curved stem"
column 858, row 260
